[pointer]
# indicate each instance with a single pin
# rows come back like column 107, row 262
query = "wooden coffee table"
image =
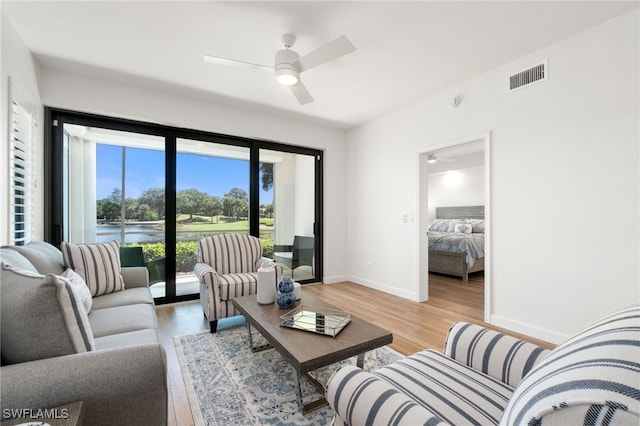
column 307, row 351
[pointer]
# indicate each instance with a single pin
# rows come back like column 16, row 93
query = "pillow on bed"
column 477, row 225
column 453, row 223
column 463, row 228
column 445, row 225
column 440, row 225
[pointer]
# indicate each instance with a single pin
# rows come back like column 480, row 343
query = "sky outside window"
column 145, row 170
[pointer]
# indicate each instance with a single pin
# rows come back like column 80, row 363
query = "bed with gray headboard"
column 456, row 241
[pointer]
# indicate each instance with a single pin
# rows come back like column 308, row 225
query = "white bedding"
column 471, row 244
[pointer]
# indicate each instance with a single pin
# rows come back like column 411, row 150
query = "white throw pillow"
column 463, row 228
column 477, row 225
column 440, row 225
column 453, row 223
column 80, row 288
column 97, row 264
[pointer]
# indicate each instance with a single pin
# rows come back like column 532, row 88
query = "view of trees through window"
column 202, row 208
column 197, row 205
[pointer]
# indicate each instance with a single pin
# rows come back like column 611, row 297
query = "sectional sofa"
column 63, row 344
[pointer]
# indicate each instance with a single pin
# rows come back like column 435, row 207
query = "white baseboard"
column 336, row 279
column 382, row 287
column 529, row 330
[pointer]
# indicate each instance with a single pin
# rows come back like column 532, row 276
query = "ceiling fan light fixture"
column 287, row 76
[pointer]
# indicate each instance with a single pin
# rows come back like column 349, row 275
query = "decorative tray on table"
column 325, row 321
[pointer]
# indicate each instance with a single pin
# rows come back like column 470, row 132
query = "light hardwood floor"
column 415, row 326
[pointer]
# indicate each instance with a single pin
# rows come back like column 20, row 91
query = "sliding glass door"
column 287, row 203
column 163, row 188
column 212, row 197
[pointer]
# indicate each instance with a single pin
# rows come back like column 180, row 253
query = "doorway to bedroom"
column 453, row 221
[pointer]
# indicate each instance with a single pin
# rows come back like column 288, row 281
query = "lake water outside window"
column 140, row 189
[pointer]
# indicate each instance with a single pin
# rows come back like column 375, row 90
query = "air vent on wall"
column 529, row 76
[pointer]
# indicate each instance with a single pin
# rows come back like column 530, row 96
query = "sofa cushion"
column 456, row 393
column 41, row 317
column 97, row 264
column 45, row 257
column 230, row 253
column 592, row 376
column 236, row 285
column 122, row 319
column 130, row 296
column 130, row 338
column 9, row 256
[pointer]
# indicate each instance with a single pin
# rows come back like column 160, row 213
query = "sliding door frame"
column 54, row 182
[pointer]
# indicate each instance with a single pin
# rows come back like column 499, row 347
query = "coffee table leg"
column 296, row 379
column 305, row 408
column 255, row 348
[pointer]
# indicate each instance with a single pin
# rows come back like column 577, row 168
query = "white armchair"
column 227, row 267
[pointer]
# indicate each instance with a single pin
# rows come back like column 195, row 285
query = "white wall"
column 455, row 188
column 17, row 64
column 564, row 170
column 456, row 182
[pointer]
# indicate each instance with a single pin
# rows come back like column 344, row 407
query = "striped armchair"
column 227, row 267
column 487, row 378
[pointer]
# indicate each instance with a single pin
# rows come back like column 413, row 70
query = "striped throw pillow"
column 591, row 379
column 97, row 264
column 74, row 315
column 80, row 288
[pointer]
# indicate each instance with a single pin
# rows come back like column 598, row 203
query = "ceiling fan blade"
column 301, row 93
column 330, row 51
column 218, row 60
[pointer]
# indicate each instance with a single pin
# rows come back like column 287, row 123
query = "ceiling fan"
column 288, row 64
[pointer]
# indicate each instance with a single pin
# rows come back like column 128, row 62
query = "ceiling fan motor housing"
column 285, row 59
column 286, row 67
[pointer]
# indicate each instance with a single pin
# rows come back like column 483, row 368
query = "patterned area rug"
column 228, row 384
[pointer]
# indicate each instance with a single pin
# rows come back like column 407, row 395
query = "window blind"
column 20, row 169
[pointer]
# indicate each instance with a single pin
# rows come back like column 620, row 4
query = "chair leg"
column 213, row 325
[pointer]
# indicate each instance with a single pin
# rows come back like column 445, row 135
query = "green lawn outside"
column 220, row 223
column 186, row 250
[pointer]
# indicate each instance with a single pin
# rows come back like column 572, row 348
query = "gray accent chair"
column 227, row 267
column 121, row 379
column 300, row 253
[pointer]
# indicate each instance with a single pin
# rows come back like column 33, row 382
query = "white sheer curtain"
column 82, row 187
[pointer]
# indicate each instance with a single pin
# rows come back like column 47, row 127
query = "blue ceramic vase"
column 285, row 285
column 286, row 300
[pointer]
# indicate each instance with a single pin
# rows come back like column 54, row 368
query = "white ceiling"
column 405, row 50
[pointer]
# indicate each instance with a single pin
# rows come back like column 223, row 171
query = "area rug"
column 228, row 384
